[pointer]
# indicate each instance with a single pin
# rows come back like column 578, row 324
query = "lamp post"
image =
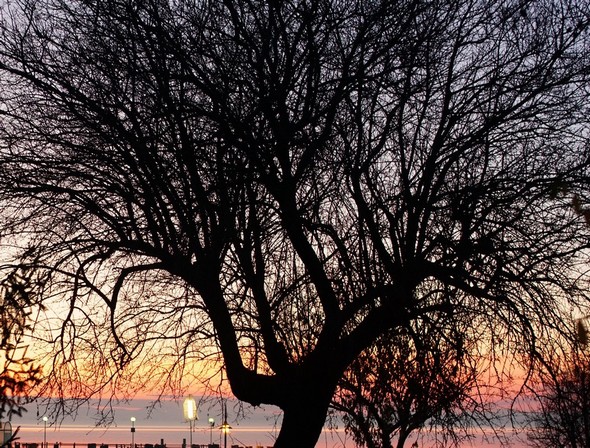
column 44, row 431
column 189, row 409
column 132, row 432
column 225, row 429
column 211, row 425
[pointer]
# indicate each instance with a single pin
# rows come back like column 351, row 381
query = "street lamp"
column 44, row 431
column 132, row 432
column 189, row 409
column 211, row 425
column 225, row 429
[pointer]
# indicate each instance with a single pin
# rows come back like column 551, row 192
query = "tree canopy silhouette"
column 286, row 181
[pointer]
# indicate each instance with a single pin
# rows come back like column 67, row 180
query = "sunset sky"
column 334, row 206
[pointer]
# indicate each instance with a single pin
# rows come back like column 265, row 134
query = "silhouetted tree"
column 19, row 374
column 560, row 415
column 405, row 382
column 288, row 181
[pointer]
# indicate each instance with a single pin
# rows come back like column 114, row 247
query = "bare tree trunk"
column 303, row 422
column 401, row 440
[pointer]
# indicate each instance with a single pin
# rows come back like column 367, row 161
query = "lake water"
column 165, row 422
column 242, row 435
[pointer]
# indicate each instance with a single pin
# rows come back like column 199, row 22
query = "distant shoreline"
column 65, row 436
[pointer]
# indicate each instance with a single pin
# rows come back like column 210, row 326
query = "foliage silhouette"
column 19, row 374
column 408, row 382
column 561, row 410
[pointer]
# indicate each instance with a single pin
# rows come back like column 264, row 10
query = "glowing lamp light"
column 45, row 431
column 211, row 421
column 133, row 432
column 189, row 409
column 225, row 428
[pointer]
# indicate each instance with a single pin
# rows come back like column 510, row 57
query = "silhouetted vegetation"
column 284, row 183
column 426, row 378
column 560, row 414
column 19, row 373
